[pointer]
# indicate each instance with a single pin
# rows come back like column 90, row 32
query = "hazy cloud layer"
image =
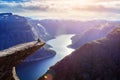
column 99, row 8
column 59, row 6
column 23, row 6
column 14, row 0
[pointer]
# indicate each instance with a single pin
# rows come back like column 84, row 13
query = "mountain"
column 57, row 27
column 16, row 29
column 13, row 30
column 85, row 31
column 39, row 29
column 93, row 33
column 96, row 60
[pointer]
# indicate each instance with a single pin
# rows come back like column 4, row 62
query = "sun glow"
column 67, row 9
column 82, row 2
column 70, row 2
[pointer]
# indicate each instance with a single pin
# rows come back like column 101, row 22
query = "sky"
column 63, row 9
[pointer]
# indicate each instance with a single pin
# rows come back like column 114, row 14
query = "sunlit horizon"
column 63, row 9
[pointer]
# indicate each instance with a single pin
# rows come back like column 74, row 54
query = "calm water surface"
column 33, row 70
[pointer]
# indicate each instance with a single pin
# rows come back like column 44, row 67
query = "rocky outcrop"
column 15, row 29
column 13, row 56
column 96, row 60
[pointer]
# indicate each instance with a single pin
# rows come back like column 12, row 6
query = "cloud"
column 23, row 6
column 60, row 8
column 33, row 5
column 105, row 0
column 99, row 9
column 14, row 0
column 110, row 7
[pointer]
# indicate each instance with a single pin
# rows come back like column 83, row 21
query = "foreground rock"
column 15, row 29
column 96, row 60
column 12, row 56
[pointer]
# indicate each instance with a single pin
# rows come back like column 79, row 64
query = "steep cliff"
column 96, row 60
column 11, row 57
column 16, row 29
column 39, row 30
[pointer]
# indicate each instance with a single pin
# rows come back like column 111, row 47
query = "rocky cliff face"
column 16, row 29
column 11, row 57
column 96, row 60
column 39, row 30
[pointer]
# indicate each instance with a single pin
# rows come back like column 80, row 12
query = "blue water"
column 33, row 70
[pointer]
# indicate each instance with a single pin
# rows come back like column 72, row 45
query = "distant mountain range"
column 57, row 27
column 85, row 31
column 93, row 33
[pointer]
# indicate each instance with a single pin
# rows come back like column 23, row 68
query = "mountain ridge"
column 96, row 60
